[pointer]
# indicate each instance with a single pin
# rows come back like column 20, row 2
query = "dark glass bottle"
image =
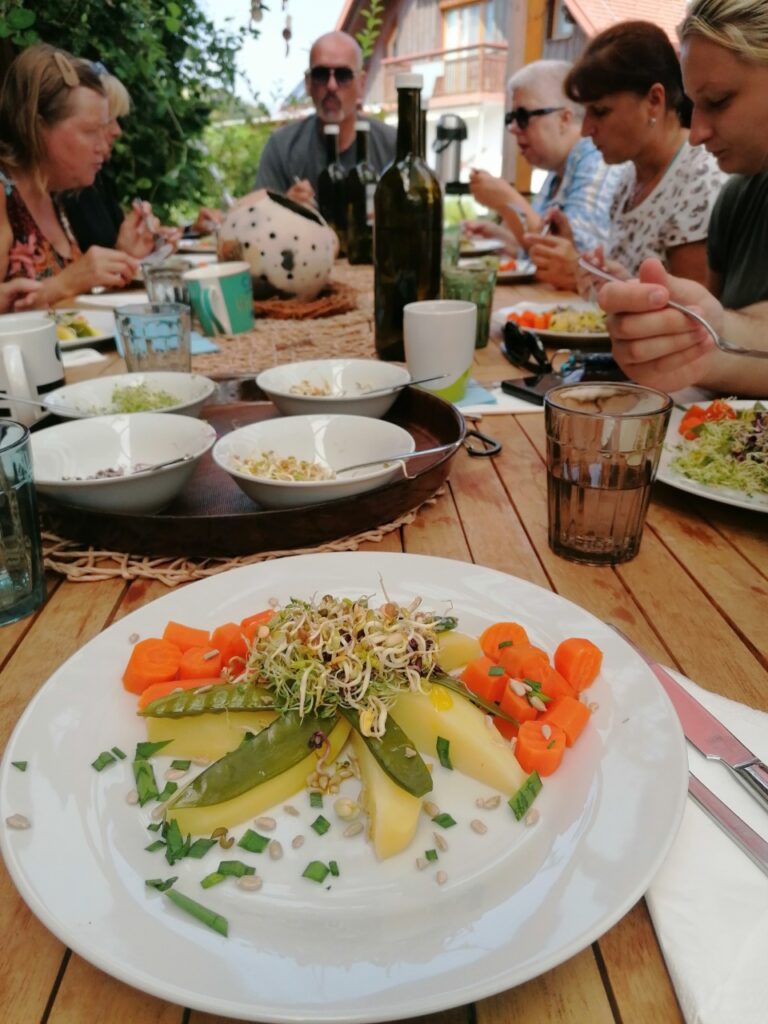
column 361, row 186
column 332, row 188
column 408, row 212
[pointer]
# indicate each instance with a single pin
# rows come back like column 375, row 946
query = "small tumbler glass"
column 603, row 447
column 22, row 581
column 473, row 282
column 155, row 336
column 165, row 281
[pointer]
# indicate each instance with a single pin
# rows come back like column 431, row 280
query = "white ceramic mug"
column 439, row 336
column 30, row 362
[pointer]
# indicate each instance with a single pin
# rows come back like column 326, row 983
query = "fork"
column 721, row 343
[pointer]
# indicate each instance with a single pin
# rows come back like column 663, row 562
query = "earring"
column 651, row 120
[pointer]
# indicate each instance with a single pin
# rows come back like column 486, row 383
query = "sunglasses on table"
column 521, row 117
column 321, row 75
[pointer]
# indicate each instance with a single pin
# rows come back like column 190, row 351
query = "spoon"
column 66, row 409
column 397, row 458
column 399, row 387
column 721, row 343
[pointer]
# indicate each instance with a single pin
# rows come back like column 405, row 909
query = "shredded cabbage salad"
column 317, row 657
column 729, row 452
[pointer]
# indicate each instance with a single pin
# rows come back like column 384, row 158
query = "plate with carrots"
column 203, row 919
column 514, row 270
column 574, row 321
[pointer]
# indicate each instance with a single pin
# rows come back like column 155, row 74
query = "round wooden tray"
column 212, row 518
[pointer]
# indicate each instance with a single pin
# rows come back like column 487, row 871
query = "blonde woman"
column 724, row 54
column 53, row 114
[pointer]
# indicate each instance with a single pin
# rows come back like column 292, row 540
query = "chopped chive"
column 103, row 760
column 505, row 643
column 315, row 799
column 333, row 867
column 158, row 844
column 180, row 766
column 200, row 847
column 146, row 786
column 119, row 753
column 236, row 868
column 146, row 750
column 444, row 752
column 430, row 854
column 198, row 911
column 550, row 744
column 536, row 691
column 444, row 820
column 213, row 879
column 21, row 765
column 253, row 842
column 159, row 884
column 155, row 826
column 496, row 670
column 316, row 871
column 177, row 846
column 168, row 791
column 521, row 801
column 321, row 825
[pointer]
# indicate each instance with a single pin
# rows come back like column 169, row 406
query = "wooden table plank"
column 87, row 994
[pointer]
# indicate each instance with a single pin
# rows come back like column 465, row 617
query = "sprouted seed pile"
column 311, row 389
column 269, row 466
column 729, row 452
column 339, row 653
column 137, row 398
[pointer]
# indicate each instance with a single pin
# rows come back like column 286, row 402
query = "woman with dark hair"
column 636, row 113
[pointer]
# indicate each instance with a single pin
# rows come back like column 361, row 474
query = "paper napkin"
column 480, row 401
column 709, row 902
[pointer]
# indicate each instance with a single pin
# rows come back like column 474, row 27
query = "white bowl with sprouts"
column 165, row 391
column 334, row 386
column 298, row 460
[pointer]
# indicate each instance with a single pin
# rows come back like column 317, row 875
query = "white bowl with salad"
column 161, row 391
column 334, row 386
column 295, row 461
column 120, row 463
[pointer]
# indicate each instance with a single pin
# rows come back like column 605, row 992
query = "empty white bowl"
column 345, row 381
column 68, row 456
column 95, row 397
column 332, row 441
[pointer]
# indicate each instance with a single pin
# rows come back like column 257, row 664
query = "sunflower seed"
column 250, row 883
column 478, row 826
column 441, row 877
column 18, row 821
column 275, row 850
column 265, row 822
column 353, row 830
column 296, row 842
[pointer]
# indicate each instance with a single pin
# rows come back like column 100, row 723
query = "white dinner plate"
column 384, row 940
column 667, row 474
column 205, row 245
column 499, row 318
column 102, row 320
column 111, row 300
column 524, row 271
column 479, row 246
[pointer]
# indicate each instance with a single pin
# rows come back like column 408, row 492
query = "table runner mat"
column 89, row 565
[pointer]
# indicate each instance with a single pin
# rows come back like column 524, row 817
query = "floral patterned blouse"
column 32, row 255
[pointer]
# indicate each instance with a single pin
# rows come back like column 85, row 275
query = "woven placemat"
column 337, row 298
column 91, row 565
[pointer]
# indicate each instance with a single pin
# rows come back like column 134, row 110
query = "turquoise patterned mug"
column 222, row 297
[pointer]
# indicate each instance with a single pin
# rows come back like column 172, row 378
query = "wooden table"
column 696, row 597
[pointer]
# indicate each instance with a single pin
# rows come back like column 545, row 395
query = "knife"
column 707, row 734
column 755, row 847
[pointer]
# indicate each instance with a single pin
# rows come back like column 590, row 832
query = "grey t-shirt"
column 298, row 151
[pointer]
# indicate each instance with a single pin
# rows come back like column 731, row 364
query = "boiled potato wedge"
column 456, row 649
column 476, row 749
column 393, row 814
column 203, row 820
column 206, row 736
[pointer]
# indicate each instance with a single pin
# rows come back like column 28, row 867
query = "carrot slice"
column 540, row 747
column 568, row 714
column 229, row 640
column 251, row 623
column 500, row 635
column 507, row 729
column 511, row 658
column 157, row 690
column 516, row 706
column 185, row 636
column 534, row 665
column 553, row 685
column 579, row 660
column 200, row 663
column 152, row 661
column 484, row 678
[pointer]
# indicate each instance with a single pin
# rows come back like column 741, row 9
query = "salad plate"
column 671, row 475
column 523, row 270
column 383, row 940
column 500, row 316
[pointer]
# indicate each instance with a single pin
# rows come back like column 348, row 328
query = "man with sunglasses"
column 547, row 127
column 295, row 155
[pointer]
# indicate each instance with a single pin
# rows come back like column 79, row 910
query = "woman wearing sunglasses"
column 638, row 115
column 547, row 127
column 724, row 54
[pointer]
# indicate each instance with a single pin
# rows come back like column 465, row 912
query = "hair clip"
column 67, row 70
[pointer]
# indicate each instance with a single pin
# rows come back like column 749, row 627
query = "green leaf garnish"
column 430, row 854
column 235, row 868
column 200, row 847
column 104, row 759
column 316, row 871
column 198, row 911
column 496, row 670
column 180, row 766
column 144, row 776
column 521, row 801
column 146, row 749
column 214, row 878
column 333, row 868
column 444, row 752
column 253, row 842
column 321, row 825
column 315, row 799
column 21, row 765
column 119, row 753
column 444, row 820
column 160, row 884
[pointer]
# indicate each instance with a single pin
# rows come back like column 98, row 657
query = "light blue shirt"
column 584, row 194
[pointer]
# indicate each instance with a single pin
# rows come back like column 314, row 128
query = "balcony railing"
column 463, row 70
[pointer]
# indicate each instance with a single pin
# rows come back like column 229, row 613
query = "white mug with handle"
column 30, row 362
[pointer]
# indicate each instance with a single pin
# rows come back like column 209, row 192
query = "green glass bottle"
column 361, row 186
column 332, row 187
column 408, row 224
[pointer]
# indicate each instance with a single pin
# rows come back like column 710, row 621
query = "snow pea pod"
column 270, row 753
column 396, row 755
column 212, row 699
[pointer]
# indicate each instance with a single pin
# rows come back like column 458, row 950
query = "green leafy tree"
column 175, row 64
column 369, row 33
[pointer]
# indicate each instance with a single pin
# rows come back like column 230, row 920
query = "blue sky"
column 263, row 60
